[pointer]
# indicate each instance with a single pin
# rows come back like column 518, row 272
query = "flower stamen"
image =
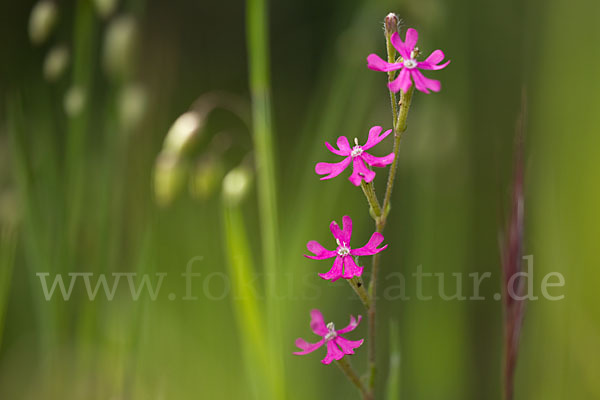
column 331, row 333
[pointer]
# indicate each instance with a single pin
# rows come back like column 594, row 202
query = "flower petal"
column 331, row 170
column 402, row 82
column 307, row 347
column 350, row 268
column 376, row 63
column 399, row 45
column 360, row 172
column 316, row 323
column 345, row 234
column 320, row 252
column 371, row 247
column 335, row 272
column 351, row 326
column 343, row 145
column 375, row 137
column 412, row 36
column 333, row 353
column 348, row 346
column 433, row 60
column 378, row 161
column 423, row 84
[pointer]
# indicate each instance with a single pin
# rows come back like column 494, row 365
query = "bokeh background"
column 86, row 186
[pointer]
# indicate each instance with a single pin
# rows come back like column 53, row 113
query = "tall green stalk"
column 258, row 54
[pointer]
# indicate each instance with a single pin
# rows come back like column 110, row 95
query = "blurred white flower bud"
column 168, row 178
column 183, row 132
column 105, row 8
column 74, row 101
column 236, row 185
column 119, row 47
column 41, row 21
column 56, row 63
column 133, row 101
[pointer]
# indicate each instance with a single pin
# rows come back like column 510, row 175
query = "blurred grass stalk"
column 8, row 244
column 258, row 53
column 265, row 382
column 393, row 381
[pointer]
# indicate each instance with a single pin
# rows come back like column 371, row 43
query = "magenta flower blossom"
column 337, row 346
column 344, row 265
column 357, row 156
column 409, row 67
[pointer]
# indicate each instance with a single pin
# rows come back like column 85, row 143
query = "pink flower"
column 357, row 156
column 337, row 346
column 344, row 265
column 409, row 67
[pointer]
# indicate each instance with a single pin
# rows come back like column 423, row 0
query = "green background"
column 77, row 195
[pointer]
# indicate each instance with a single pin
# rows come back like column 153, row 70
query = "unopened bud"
column 236, row 185
column 105, row 8
column 119, row 47
column 168, row 178
column 391, row 24
column 42, row 20
column 74, row 101
column 56, row 63
column 183, row 132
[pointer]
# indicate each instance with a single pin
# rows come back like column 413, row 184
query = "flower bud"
column 119, row 47
column 182, row 133
column 169, row 175
column 236, row 185
column 391, row 24
column 42, row 20
column 56, row 63
column 74, row 101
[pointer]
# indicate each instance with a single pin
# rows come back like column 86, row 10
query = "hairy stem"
column 399, row 116
column 399, row 128
column 352, row 376
column 359, row 288
column 369, row 192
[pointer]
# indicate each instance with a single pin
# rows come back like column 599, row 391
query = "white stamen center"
column 331, row 333
column 342, row 250
column 356, row 150
column 410, row 64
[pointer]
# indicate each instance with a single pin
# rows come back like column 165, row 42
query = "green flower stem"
column 399, row 128
column 359, row 287
column 369, row 192
column 399, row 116
column 352, row 376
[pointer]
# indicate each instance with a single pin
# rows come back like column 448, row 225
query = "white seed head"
column 119, row 46
column 182, row 132
column 41, row 21
column 236, row 185
column 74, row 101
column 105, row 8
column 133, row 101
column 56, row 63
